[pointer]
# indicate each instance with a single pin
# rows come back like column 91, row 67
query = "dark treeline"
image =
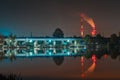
column 58, row 33
column 10, row 77
column 100, row 45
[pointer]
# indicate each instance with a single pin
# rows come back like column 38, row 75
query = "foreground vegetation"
column 10, row 77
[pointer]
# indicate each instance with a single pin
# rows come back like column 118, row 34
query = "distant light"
column 75, row 43
column 54, row 51
column 54, row 42
column 31, row 41
column 50, row 41
column 68, row 53
column 68, row 40
column 50, row 53
column 10, row 40
column 31, row 53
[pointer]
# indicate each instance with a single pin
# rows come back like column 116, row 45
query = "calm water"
column 63, row 68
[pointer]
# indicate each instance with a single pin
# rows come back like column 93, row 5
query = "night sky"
column 42, row 17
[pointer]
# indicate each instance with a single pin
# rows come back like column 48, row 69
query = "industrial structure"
column 47, row 46
column 23, row 47
column 90, row 21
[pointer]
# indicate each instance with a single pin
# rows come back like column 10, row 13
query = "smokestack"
column 90, row 21
column 81, row 28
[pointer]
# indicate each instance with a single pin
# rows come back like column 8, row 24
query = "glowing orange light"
column 90, row 22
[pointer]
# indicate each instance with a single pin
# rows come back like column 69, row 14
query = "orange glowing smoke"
column 88, row 20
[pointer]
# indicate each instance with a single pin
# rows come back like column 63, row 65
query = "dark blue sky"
column 42, row 17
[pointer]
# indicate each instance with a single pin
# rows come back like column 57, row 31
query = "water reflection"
column 52, row 52
column 58, row 56
column 38, row 52
column 90, row 69
column 58, row 60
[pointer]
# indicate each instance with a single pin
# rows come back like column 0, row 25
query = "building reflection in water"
column 38, row 52
column 58, row 60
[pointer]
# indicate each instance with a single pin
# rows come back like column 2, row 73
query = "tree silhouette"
column 58, row 60
column 114, row 39
column 114, row 42
column 10, row 77
column 87, row 38
column 58, row 33
column 99, row 38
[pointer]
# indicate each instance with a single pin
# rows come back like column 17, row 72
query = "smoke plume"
column 88, row 20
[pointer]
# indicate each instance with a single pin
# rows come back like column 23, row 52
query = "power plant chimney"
column 81, row 28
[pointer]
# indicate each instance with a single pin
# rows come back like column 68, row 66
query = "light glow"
column 90, row 22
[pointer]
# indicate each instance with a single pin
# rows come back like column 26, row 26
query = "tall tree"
column 58, row 60
column 114, row 38
column 58, row 33
column 99, row 39
column 87, row 38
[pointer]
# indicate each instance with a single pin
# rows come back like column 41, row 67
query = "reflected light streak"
column 91, row 68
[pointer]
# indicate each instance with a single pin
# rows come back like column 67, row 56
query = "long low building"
column 44, row 46
column 49, row 42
